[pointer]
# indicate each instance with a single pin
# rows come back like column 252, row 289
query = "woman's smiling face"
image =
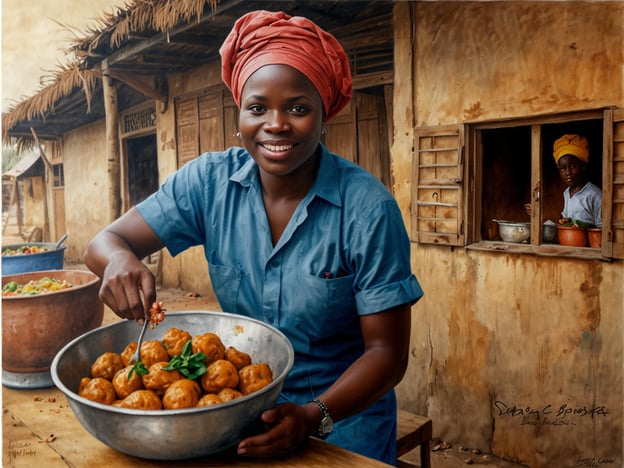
column 281, row 118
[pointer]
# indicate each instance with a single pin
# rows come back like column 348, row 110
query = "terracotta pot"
column 572, row 235
column 35, row 328
column 595, row 237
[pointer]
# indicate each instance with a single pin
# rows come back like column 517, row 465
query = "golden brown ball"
column 183, row 393
column 107, row 365
column 219, row 375
column 254, row 377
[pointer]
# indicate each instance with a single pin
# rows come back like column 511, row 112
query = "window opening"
column 58, row 176
column 518, row 167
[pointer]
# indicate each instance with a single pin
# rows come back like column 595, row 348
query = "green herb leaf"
column 188, row 364
column 139, row 368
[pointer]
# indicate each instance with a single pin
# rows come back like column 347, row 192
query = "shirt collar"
column 326, row 186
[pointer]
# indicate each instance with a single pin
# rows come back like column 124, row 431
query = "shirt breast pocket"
column 328, row 305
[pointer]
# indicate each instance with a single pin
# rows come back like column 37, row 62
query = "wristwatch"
column 327, row 423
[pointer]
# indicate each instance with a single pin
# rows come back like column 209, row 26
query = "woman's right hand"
column 114, row 254
column 128, row 286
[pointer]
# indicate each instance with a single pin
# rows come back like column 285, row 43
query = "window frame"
column 462, row 213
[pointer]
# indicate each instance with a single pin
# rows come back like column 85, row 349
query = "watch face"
column 327, row 425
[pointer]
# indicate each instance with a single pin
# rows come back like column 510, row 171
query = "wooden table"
column 39, row 430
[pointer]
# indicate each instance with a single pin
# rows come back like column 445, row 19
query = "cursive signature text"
column 559, row 415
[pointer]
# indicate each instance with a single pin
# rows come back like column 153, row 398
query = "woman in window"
column 582, row 199
column 294, row 236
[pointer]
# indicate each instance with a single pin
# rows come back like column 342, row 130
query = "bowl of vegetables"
column 41, row 312
column 32, row 256
column 172, row 431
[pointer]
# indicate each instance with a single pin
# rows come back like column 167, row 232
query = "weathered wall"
column 517, row 354
column 86, row 206
column 189, row 270
column 489, row 60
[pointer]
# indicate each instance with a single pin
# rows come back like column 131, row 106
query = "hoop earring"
column 237, row 134
column 323, row 130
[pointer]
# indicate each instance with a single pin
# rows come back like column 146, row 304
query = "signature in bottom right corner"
column 595, row 462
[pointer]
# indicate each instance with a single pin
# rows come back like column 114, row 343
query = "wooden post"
column 113, row 158
column 47, row 188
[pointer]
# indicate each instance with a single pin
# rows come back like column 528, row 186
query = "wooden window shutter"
column 230, row 122
column 211, row 122
column 187, row 130
column 437, row 190
column 613, row 190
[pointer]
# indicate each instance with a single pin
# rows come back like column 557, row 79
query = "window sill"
column 545, row 250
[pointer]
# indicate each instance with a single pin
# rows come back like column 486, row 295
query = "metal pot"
column 549, row 231
column 513, row 231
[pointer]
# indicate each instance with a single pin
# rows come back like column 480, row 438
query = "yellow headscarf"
column 571, row 144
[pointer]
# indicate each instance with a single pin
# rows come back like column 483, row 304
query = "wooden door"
column 360, row 134
column 142, row 168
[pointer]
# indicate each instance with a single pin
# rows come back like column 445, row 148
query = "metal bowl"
column 35, row 328
column 513, row 231
column 174, row 434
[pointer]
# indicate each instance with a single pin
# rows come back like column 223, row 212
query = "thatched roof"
column 152, row 38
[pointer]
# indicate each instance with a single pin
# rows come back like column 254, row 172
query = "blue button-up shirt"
column 344, row 253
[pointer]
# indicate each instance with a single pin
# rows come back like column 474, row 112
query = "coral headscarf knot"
column 571, row 144
column 264, row 38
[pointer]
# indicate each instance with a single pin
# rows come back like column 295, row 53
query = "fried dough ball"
column 153, row 351
column 174, row 340
column 253, row 377
column 219, row 375
column 123, row 385
column 209, row 399
column 229, row 394
column 209, row 344
column 158, row 379
column 107, row 365
column 142, row 399
column 236, row 357
column 127, row 353
column 183, row 393
column 97, row 389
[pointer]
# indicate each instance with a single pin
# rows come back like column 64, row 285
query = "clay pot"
column 595, row 237
column 35, row 328
column 572, row 235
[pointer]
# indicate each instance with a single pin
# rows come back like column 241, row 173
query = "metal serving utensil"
column 136, row 356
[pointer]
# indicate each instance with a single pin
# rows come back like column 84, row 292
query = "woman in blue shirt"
column 294, row 235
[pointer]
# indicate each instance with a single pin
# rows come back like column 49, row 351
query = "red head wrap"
column 264, row 38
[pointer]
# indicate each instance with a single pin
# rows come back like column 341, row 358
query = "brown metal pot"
column 35, row 328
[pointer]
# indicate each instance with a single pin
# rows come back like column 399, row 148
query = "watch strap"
column 325, row 418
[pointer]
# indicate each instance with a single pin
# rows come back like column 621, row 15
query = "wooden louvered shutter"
column 437, row 191
column 210, row 122
column 613, row 191
column 187, row 130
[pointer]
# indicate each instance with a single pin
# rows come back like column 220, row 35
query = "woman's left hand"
column 287, row 427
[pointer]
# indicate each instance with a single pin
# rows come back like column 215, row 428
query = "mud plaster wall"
column 86, row 186
column 517, row 354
